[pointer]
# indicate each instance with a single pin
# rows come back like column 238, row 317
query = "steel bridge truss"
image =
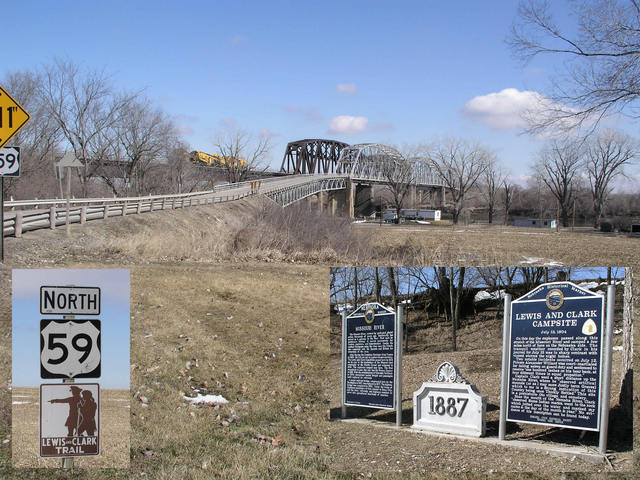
column 375, row 162
column 287, row 195
column 312, row 156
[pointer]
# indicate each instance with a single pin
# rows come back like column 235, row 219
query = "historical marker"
column 370, row 357
column 448, row 403
column 70, row 348
column 555, row 361
column 69, row 419
column 69, row 300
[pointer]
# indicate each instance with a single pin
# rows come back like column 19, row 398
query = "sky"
column 114, row 316
column 400, row 73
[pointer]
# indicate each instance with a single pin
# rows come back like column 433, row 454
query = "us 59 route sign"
column 70, row 348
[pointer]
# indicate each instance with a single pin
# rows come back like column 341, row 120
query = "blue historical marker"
column 370, row 357
column 555, row 361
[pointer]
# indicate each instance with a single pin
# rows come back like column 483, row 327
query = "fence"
column 24, row 215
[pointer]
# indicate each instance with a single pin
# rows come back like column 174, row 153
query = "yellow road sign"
column 12, row 117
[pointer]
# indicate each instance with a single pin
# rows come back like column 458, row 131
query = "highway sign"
column 555, row 363
column 69, row 419
column 10, row 162
column 70, row 348
column 69, row 300
column 12, row 117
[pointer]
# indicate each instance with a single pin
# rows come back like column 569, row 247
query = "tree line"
column 128, row 145
column 568, row 178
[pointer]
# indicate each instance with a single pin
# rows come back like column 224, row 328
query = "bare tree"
column 601, row 68
column 558, row 167
column 143, row 135
column 182, row 174
column 606, row 156
column 460, row 165
column 508, row 189
column 83, row 105
column 492, row 179
column 626, row 390
column 398, row 174
column 241, row 153
column 37, row 138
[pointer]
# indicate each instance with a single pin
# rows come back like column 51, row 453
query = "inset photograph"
column 70, row 357
column 481, row 369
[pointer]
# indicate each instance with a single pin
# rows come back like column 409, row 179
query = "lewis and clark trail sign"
column 556, row 362
column 69, row 419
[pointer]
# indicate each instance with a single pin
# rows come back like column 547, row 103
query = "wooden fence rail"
column 24, row 215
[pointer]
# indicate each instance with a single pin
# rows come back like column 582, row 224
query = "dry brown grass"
column 114, row 434
column 184, row 266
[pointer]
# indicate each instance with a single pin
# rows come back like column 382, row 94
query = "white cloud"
column 348, row 88
column 347, row 124
column 265, row 132
column 308, row 114
column 511, row 108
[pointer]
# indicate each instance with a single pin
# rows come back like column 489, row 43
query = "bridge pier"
column 321, row 201
column 412, row 195
column 333, row 204
column 351, row 198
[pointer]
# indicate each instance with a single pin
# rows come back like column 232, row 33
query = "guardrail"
column 24, row 215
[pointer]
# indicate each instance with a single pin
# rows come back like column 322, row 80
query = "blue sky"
column 400, row 73
column 114, row 316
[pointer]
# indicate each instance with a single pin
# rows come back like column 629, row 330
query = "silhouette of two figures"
column 82, row 412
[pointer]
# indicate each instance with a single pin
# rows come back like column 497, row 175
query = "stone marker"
column 449, row 403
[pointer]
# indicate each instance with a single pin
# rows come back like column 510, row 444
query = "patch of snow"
column 618, row 347
column 538, row 261
column 617, row 331
column 339, row 307
column 423, row 222
column 206, row 399
column 588, row 285
column 359, row 221
column 20, row 403
column 484, row 295
column 531, row 260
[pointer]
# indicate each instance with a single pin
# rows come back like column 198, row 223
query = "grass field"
column 217, row 315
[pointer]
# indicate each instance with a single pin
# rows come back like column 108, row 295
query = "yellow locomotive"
column 215, row 160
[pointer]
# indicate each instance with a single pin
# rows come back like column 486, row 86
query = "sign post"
column 606, row 381
column 9, row 167
column 557, row 359
column 12, row 119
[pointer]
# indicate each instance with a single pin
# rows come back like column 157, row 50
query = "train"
column 215, row 160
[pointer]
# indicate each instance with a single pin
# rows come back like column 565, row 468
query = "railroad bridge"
column 358, row 173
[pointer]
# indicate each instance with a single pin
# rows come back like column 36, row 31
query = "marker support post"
column 344, row 363
column 398, row 367
column 506, row 346
column 606, row 371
